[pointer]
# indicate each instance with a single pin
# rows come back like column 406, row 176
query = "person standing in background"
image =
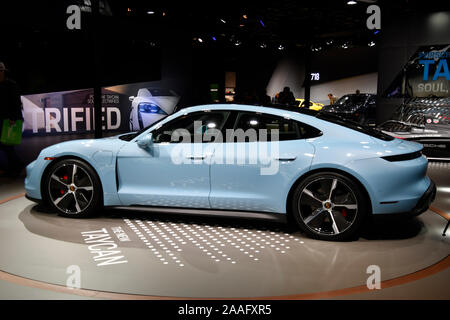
column 332, row 98
column 286, row 97
column 11, row 109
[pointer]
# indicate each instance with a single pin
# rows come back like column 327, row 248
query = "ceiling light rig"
column 351, row 2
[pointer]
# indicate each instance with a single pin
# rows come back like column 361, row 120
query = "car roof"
column 273, row 109
column 317, row 119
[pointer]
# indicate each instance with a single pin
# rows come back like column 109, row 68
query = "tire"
column 329, row 206
column 72, row 188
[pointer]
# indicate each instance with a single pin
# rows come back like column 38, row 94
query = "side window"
column 206, row 120
column 288, row 129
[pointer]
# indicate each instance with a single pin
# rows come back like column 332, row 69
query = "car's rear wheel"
column 329, row 206
column 73, row 188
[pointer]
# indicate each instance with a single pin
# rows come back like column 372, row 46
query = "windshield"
column 131, row 136
column 352, row 99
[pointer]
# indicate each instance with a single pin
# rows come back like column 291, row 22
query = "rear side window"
column 355, row 126
column 287, row 129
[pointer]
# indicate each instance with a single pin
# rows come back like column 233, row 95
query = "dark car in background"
column 360, row 108
column 423, row 120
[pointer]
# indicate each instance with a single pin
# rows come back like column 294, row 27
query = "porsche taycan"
column 324, row 173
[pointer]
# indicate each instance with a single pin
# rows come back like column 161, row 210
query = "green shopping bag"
column 11, row 135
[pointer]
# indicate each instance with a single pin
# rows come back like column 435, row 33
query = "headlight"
column 146, row 107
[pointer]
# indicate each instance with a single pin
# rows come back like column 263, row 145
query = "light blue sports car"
column 325, row 173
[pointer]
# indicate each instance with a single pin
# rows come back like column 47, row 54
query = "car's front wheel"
column 72, row 188
column 329, row 206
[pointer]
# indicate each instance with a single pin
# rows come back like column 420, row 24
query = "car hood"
column 84, row 147
column 342, row 108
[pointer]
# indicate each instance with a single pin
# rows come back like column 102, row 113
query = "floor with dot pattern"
column 199, row 257
column 196, row 256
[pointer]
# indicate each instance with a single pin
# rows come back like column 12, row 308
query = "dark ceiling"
column 270, row 23
column 132, row 34
column 246, row 23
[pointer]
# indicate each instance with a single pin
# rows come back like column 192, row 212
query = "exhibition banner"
column 124, row 108
column 426, row 74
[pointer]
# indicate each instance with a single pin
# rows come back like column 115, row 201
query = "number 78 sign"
column 315, row 76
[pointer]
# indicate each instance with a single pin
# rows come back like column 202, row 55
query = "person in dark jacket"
column 286, row 97
column 10, row 109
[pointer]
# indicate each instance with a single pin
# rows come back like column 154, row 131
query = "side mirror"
column 131, row 98
column 146, row 142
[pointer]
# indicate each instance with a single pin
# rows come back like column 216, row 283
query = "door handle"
column 286, row 159
column 196, row 158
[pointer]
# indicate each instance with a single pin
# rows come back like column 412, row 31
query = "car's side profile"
column 328, row 175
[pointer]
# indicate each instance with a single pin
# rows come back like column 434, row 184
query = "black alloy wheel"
column 329, row 206
column 73, row 188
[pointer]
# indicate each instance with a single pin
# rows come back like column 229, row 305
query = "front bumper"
column 425, row 201
column 38, row 201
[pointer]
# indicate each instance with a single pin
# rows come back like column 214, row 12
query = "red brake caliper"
column 65, row 178
column 344, row 212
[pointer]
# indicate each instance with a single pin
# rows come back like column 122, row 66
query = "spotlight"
column 237, row 43
column 344, row 46
column 244, row 16
column 263, row 45
column 223, row 21
column 280, row 47
column 200, row 40
column 371, row 44
column 351, row 2
column 329, row 43
column 150, row 12
column 214, row 38
column 262, row 23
